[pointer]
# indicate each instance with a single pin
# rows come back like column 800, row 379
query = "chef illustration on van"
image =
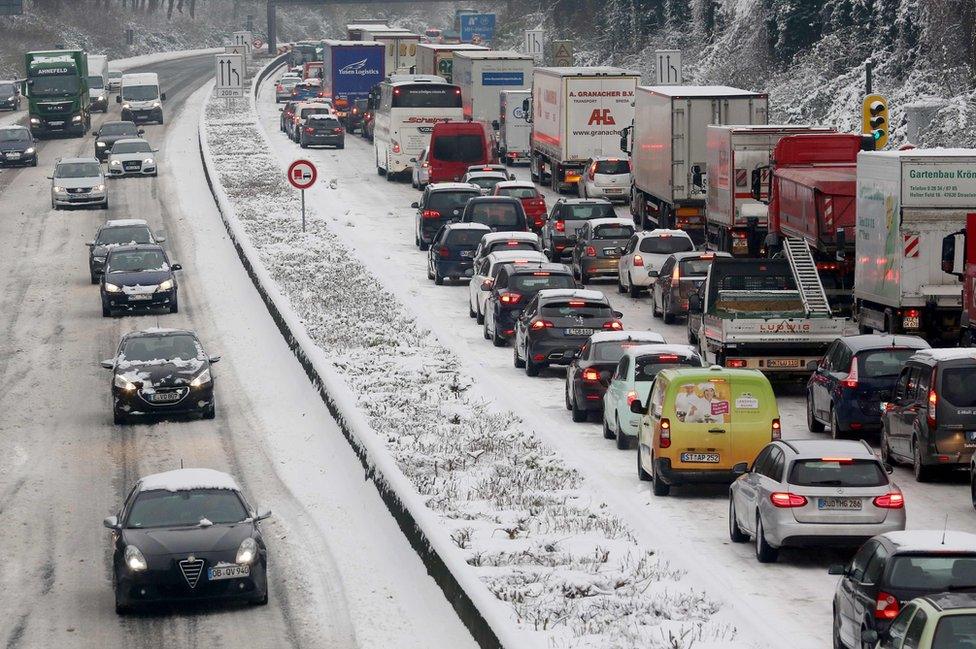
column 704, row 403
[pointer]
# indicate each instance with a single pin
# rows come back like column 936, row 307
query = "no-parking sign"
column 302, row 174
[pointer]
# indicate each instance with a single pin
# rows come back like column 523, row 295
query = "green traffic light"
column 877, row 134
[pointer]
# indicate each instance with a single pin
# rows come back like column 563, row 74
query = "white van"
column 98, row 81
column 140, row 98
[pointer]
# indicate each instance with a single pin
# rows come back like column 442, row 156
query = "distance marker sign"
column 302, row 174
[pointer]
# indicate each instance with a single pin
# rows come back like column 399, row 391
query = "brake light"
column 675, row 277
column 707, row 255
column 540, row 202
column 560, row 226
column 337, row 130
column 592, row 171
column 444, row 252
column 631, row 397
column 735, row 362
column 590, row 251
column 613, row 325
column 541, row 274
column 512, row 243
column 886, row 606
column 509, row 298
column 590, row 374
column 838, row 460
column 777, row 430
column 430, row 214
column 638, row 260
column 851, row 380
column 538, row 325
column 933, row 402
column 309, row 129
column 893, row 500
column 664, row 434
column 784, row 499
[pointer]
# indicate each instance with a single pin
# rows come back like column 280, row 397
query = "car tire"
column 94, row 278
column 578, row 414
column 485, row 329
column 692, row 338
column 174, row 306
column 885, row 445
column 34, row 163
column 261, row 601
column 765, row 553
column 835, row 431
column 666, row 314
column 121, row 608
column 119, row 418
column 736, row 535
column 430, row 274
column 814, row 425
column 424, row 246
column 302, row 144
column 517, row 360
column 620, row 285
column 106, row 311
column 635, row 291
column 479, row 317
column 210, row 412
column 497, row 340
column 658, row 486
column 342, row 145
column 655, row 312
column 105, row 205
column 531, row 367
column 922, row 472
column 623, row 442
column 438, row 279
column 569, row 406
column 837, row 643
column 642, row 475
column 471, row 312
column 584, row 280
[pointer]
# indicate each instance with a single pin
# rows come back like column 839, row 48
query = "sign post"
column 534, row 41
column 229, row 75
column 302, row 175
column 668, row 67
column 562, row 54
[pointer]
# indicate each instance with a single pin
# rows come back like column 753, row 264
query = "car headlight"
column 99, row 188
column 113, row 163
column 76, row 118
column 124, row 383
column 125, row 106
column 248, row 551
column 156, row 104
column 202, row 378
column 165, row 286
column 59, row 190
column 100, row 144
column 134, row 559
column 149, row 161
column 99, row 259
column 112, row 288
column 29, row 150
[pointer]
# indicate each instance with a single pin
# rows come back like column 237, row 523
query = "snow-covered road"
column 342, row 574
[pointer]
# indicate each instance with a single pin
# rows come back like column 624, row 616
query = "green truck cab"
column 56, row 87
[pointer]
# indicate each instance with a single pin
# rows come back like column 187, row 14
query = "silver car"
column 606, row 177
column 812, row 493
column 78, row 181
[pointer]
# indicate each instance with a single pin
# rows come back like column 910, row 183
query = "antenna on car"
column 944, row 528
column 181, row 463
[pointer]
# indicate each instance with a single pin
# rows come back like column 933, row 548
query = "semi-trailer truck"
column 482, row 75
column 401, row 50
column 438, row 58
column 56, row 87
column 350, row 69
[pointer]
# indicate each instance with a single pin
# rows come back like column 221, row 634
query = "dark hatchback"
column 440, row 204
column 681, row 275
column 9, row 95
column 287, row 115
column 566, row 217
column 120, row 232
column 556, row 323
column 451, row 254
column 17, row 147
column 356, row 115
column 139, row 277
column 161, row 372
column 598, row 246
column 513, row 288
column 500, row 213
column 110, row 133
column 855, row 375
column 322, row 130
column 187, row 535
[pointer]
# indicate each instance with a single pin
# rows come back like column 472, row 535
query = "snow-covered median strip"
column 541, row 558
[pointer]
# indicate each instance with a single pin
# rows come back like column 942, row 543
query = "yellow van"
column 702, row 425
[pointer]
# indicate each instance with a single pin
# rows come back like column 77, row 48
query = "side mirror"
column 213, row 359
column 118, row 99
column 160, row 239
column 281, row 110
column 953, row 251
column 50, row 177
column 618, row 314
column 840, row 236
column 176, row 267
column 653, row 272
column 495, row 125
column 888, row 468
column 756, row 184
column 95, row 134
column 262, row 515
column 90, row 244
column 415, row 205
column 111, row 522
column 108, row 364
column 525, row 105
column 838, row 569
column 694, row 304
column 577, row 353
column 740, row 468
column 162, row 96
column 637, row 407
column 141, row 131
column 625, row 139
column 487, row 285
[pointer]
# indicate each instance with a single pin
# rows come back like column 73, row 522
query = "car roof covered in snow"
column 575, row 293
column 946, row 354
column 443, row 187
column 932, row 541
column 663, row 232
column 510, row 236
column 627, row 336
column 121, row 223
column 595, row 223
column 678, row 350
column 514, row 256
column 467, row 226
column 187, row 480
column 526, row 184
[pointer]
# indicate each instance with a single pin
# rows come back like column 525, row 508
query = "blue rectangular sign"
column 356, row 69
column 477, row 28
column 11, row 7
column 503, row 79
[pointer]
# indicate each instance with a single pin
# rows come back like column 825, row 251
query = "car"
column 114, row 80
column 322, row 129
column 606, row 177
column 9, row 95
column 941, row 621
column 556, row 323
column 486, row 180
column 641, row 259
column 533, row 202
column 483, row 276
column 187, row 535
column 306, row 89
column 588, row 375
column 488, row 167
column 855, row 375
column 514, row 286
column 500, row 213
column 139, row 277
column 811, row 493
column 284, row 87
column 566, row 217
column 132, row 156
column 78, row 181
column 440, row 204
column 681, row 274
column 930, row 421
column 420, row 176
column 451, row 250
column 302, row 112
column 356, row 115
column 630, row 379
column 498, row 241
column 890, row 570
column 17, row 146
column 598, row 246
column 287, row 115
column 110, row 133
column 115, row 233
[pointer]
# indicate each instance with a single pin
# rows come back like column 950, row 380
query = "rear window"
column 933, row 573
column 532, row 284
column 666, row 245
column 694, row 267
column 465, row 237
column 613, row 232
column 648, row 366
column 612, row 167
column 955, row 631
column 957, row 386
column 518, row 192
column 576, row 308
column 511, row 245
column 496, row 214
column 447, row 202
column 882, row 362
column 837, row 473
column 611, row 351
column 314, row 111
column 587, row 212
column 458, row 148
column 325, row 122
column 485, row 182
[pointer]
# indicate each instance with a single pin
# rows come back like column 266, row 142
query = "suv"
column 681, row 275
column 930, row 421
column 452, row 249
column 500, row 213
column 943, row 621
column 441, row 203
column 644, row 255
column 607, row 178
column 514, row 285
column 566, row 217
column 891, row 569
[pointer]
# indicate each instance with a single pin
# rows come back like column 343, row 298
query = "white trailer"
column 513, row 130
column 576, row 114
column 482, row 75
column 668, row 149
column 438, row 58
column 907, row 202
column 362, row 30
column 401, row 50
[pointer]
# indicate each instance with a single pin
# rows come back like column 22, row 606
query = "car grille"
column 191, row 569
column 79, row 190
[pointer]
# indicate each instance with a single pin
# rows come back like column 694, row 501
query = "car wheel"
column 438, row 279
column 885, row 444
column 666, row 314
column 736, row 535
column 119, row 418
column 635, row 291
column 261, row 601
column 692, row 338
column 620, row 285
column 765, row 553
column 838, row 643
column 302, row 144
column 569, row 406
column 922, row 472
column 479, row 317
column 34, row 163
column 471, row 313
column 174, row 306
column 342, row 145
column 105, row 204
column 424, row 246
column 607, row 433
column 497, row 340
column 813, row 424
column 210, row 412
column 654, row 310
column 106, row 311
column 531, row 367
column 584, row 280
column 658, row 486
column 485, row 329
column 835, row 430
column 120, row 607
column 430, row 274
column 623, row 442
column 94, row 278
column 579, row 415
column 517, row 360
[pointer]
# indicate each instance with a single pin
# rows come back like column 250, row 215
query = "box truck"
column 98, row 81
column 576, row 114
column 483, row 75
column 363, row 30
column 56, row 88
column 438, row 58
column 350, row 69
column 513, row 130
column 401, row 50
column 667, row 145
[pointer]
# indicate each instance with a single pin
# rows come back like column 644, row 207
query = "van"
column 703, row 426
column 98, row 81
column 455, row 146
column 140, row 98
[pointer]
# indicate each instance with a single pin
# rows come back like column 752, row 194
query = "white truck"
column 513, row 130
column 401, row 50
column 98, row 81
column 907, row 203
column 667, row 147
column 363, row 30
column 438, row 58
column 577, row 113
column 482, row 75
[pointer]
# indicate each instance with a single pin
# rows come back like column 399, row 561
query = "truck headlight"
column 35, row 120
column 76, row 118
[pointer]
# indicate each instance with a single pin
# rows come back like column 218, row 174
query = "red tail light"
column 851, row 380
column 430, row 214
column 886, row 606
column 540, row 202
column 785, row 499
column 592, row 171
column 613, row 325
column 539, row 222
column 665, row 433
column 510, row 298
column 279, row 88
column 893, row 500
column 590, row 251
column 675, row 277
column 632, row 397
column 777, row 432
column 933, row 402
column 538, row 325
column 638, row 261
column 590, row 374
column 735, row 362
column 560, row 226
column 337, row 130
column 309, row 129
column 444, row 252
column 512, row 243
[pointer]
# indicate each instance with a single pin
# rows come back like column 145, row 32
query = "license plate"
column 13, row 156
column 228, row 572
column 788, row 363
column 467, row 253
column 579, row 332
column 612, row 190
column 911, row 322
column 55, row 123
column 164, row 397
column 848, row 504
column 704, row 458
column 611, row 252
column 140, row 297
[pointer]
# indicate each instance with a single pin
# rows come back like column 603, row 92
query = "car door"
column 626, row 257
column 573, row 369
column 520, row 324
column 434, row 246
column 865, row 600
column 582, row 240
column 904, row 412
column 847, row 592
column 820, row 379
column 613, row 393
column 478, row 275
column 768, row 480
column 746, row 488
column 492, row 299
column 658, row 288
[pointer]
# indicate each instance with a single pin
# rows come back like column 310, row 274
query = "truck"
column 907, row 202
column 350, row 69
column 303, row 52
column 959, row 259
column 98, row 81
column 667, row 144
column 401, row 50
column 513, row 131
column 482, row 75
column 364, row 28
column 735, row 220
column 576, row 113
column 56, row 87
column 438, row 58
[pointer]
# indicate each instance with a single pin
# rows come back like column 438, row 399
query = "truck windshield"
column 426, row 96
column 54, row 86
column 140, row 93
column 96, row 83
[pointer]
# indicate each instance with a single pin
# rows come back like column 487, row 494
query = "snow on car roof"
column 701, row 91
column 817, row 448
column 947, row 354
column 467, row 226
column 580, row 293
column 513, row 255
column 932, row 541
column 664, row 232
column 492, row 173
column 72, row 160
column 130, row 139
column 504, row 236
column 624, row 336
column 516, row 183
column 611, row 221
column 113, row 223
column 158, row 330
column 439, row 187
column 680, row 350
column 188, row 479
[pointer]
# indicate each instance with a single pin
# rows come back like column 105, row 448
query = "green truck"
column 56, row 88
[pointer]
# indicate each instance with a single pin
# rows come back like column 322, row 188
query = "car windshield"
column 613, row 232
column 495, row 214
column 131, row 147
column 518, row 192
column 139, row 93
column 694, row 267
column 834, row 472
column 124, row 234
column 586, row 212
column 78, row 170
column 144, row 349
column 118, row 128
column 96, row 82
column 7, row 90
column 665, row 245
column 934, row 573
column 464, row 237
column 53, row 86
column 955, row 632
column 447, row 202
column 136, row 261
column 458, row 148
column 14, row 135
column 577, row 309
column 485, row 182
column 527, row 284
column 161, row 508
column 954, row 390
column 882, row 362
column 612, row 167
column 647, row 367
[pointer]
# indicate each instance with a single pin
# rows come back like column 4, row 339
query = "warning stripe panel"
column 912, row 246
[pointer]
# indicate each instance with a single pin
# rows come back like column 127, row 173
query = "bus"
column 405, row 118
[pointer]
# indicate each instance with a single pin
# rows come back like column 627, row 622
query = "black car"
column 451, row 252
column 139, row 277
column 681, row 274
column 356, row 115
column 512, row 289
column 161, row 372
column 9, row 95
column 500, row 213
column 322, row 130
column 566, row 217
column 440, row 204
column 598, row 246
column 556, row 323
column 187, row 535
column 109, row 133
column 119, row 232
column 17, row 147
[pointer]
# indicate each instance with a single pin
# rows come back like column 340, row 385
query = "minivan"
column 455, row 146
column 140, row 98
column 703, row 426
column 500, row 213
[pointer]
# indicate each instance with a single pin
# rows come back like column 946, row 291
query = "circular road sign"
column 302, row 174
column 257, row 43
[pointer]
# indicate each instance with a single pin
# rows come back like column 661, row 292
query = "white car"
column 485, row 180
column 488, row 167
column 485, row 271
column 78, row 181
column 420, row 176
column 642, row 257
column 607, row 178
column 498, row 241
column 633, row 379
column 132, row 156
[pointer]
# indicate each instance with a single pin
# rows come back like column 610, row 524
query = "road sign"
column 243, row 38
column 257, row 43
column 235, row 49
column 668, row 67
column 480, row 26
column 562, row 54
column 534, row 41
column 229, row 75
column 302, row 174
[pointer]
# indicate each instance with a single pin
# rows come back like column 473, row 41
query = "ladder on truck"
column 804, row 269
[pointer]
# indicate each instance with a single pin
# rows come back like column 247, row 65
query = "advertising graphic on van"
column 701, row 403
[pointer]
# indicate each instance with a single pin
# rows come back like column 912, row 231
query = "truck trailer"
column 350, row 69
column 438, row 58
column 513, row 131
column 401, row 50
column 482, row 75
column 56, row 88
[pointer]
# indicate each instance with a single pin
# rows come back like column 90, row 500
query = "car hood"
column 144, row 278
column 102, row 249
column 123, row 157
column 187, row 540
column 161, row 373
column 71, row 183
column 15, row 146
column 112, row 139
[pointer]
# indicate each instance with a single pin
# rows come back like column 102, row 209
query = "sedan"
column 161, row 372
column 17, row 147
column 132, row 157
column 78, row 181
column 115, row 233
column 284, row 87
column 187, row 535
column 139, row 277
column 452, row 249
column 109, row 133
column 9, row 95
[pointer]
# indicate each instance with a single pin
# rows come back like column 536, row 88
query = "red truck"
column 960, row 260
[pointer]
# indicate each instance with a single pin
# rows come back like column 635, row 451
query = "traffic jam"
column 762, row 261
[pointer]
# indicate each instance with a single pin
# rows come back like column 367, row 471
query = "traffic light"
column 874, row 119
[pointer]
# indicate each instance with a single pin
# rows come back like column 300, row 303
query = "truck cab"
column 57, row 92
column 140, row 98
